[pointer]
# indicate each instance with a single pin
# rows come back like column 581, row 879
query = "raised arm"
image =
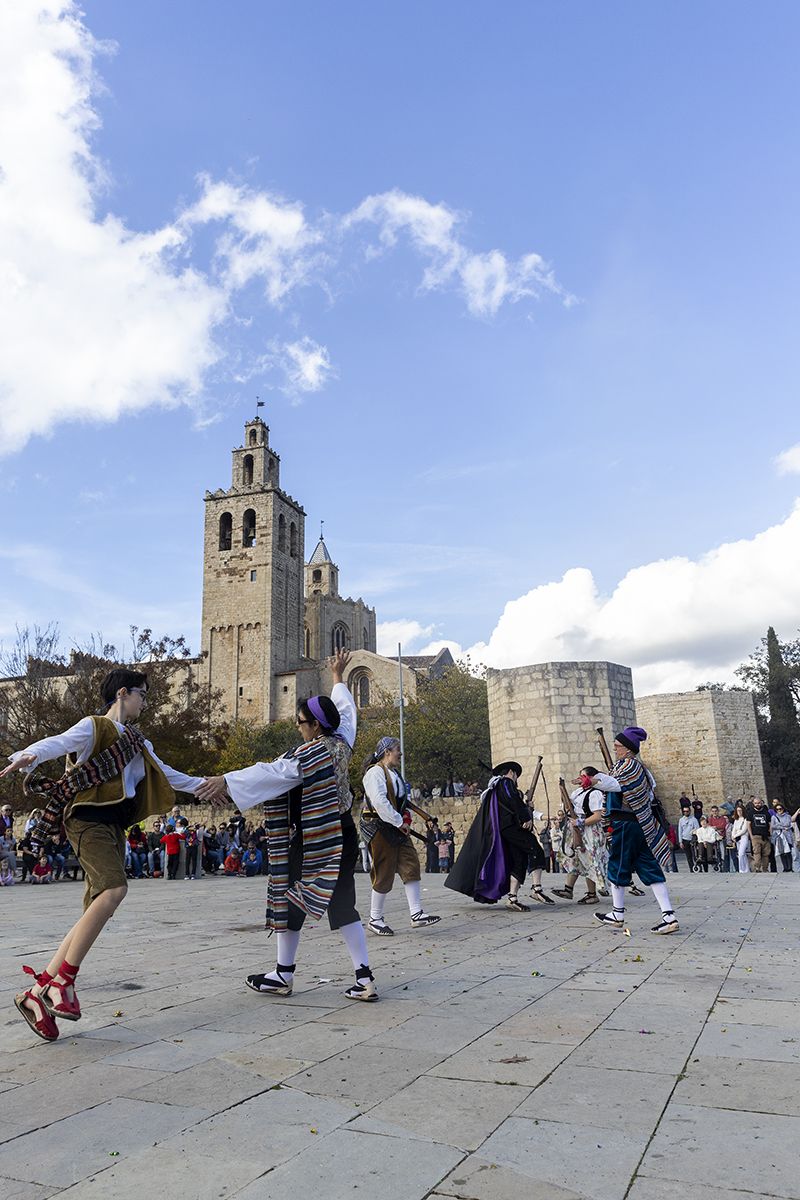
column 76, row 740
column 341, row 697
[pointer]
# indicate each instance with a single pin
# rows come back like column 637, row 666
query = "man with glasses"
column 115, row 780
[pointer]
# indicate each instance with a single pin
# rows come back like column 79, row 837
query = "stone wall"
column 553, row 709
column 705, row 739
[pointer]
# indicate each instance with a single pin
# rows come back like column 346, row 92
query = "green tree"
column 772, row 674
column 244, row 744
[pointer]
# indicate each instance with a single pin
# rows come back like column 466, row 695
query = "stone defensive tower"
column 553, row 709
column 706, row 739
column 252, row 625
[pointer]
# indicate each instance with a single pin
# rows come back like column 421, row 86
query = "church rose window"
column 225, row 531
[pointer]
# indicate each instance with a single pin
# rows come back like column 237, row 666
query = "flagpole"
column 402, row 712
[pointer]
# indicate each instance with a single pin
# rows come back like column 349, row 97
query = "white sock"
column 513, row 886
column 287, row 950
column 661, row 893
column 376, row 906
column 536, row 877
column 356, row 942
column 618, row 900
column 413, row 896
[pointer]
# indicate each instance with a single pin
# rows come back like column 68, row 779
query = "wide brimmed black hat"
column 504, row 767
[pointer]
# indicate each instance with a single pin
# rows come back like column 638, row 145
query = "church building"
column 270, row 619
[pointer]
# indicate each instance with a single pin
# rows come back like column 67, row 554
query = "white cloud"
column 307, row 364
column 98, row 319
column 406, row 633
column 788, row 462
column 486, row 280
column 677, row 622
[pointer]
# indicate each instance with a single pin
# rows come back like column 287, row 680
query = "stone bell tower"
column 252, row 625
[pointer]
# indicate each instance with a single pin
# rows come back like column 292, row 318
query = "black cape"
column 482, row 869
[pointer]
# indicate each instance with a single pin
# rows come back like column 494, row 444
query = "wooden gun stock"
column 569, row 813
column 536, row 773
column 604, row 750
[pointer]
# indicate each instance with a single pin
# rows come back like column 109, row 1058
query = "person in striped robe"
column 637, row 841
column 312, row 839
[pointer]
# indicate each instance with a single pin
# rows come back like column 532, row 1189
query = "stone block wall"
column 705, row 739
column 553, row 709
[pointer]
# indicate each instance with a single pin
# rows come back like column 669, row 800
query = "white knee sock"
column 356, row 942
column 536, row 877
column 661, row 894
column 287, row 946
column 376, row 906
column 618, row 898
column 413, row 896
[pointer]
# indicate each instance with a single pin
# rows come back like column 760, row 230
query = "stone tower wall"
column 253, row 604
column 705, row 739
column 553, row 709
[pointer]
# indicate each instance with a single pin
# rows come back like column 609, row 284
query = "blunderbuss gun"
column 420, row 813
column 604, row 750
column 570, row 814
column 536, row 773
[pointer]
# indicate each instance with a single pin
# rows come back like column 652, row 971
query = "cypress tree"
column 782, row 734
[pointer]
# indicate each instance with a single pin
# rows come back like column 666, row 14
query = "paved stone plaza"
column 511, row 1057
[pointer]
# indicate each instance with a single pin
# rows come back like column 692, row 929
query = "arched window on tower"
column 282, row 532
column 225, row 531
column 293, row 540
column 253, row 437
column 247, row 468
column 340, row 637
column 249, row 528
column 307, row 642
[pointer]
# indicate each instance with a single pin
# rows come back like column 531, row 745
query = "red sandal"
column 43, row 1026
column 68, row 1010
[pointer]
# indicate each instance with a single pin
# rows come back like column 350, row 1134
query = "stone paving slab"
column 237, row 1095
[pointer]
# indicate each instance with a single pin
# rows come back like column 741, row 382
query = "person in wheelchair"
column 706, row 837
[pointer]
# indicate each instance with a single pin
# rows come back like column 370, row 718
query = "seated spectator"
column 42, row 872
column 28, row 855
column 6, row 873
column 212, row 854
column 154, row 850
column 706, row 837
column 8, row 849
column 58, row 852
column 252, row 860
column 32, row 819
column 233, row 863
column 6, row 820
column 138, row 849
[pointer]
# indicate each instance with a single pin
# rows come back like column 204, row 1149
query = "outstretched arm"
column 76, row 740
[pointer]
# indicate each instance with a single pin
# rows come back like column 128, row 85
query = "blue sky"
column 467, row 449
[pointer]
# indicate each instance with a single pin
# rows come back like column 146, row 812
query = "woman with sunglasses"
column 114, row 780
column 311, row 836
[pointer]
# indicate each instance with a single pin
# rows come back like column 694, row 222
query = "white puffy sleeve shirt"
column 264, row 781
column 378, row 794
column 78, row 741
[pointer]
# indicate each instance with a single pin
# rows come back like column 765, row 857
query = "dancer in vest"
column 311, row 836
column 590, row 861
column 638, row 843
column 385, row 823
column 114, row 780
column 493, row 860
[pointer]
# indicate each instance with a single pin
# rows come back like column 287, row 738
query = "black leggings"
column 342, row 907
